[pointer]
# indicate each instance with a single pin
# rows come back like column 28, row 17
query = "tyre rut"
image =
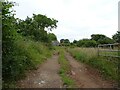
column 85, row 76
column 46, row 76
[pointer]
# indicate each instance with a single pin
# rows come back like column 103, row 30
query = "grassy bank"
column 65, row 69
column 26, row 55
column 104, row 65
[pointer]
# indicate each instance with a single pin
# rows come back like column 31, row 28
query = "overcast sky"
column 77, row 19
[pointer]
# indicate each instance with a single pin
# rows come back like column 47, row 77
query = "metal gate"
column 109, row 50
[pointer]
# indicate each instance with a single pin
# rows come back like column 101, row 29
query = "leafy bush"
column 25, row 55
column 86, row 43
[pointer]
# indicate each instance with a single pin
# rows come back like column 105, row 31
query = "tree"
column 35, row 27
column 105, row 40
column 9, row 37
column 116, row 37
column 62, row 41
column 14, row 31
column 44, row 22
column 86, row 43
column 75, row 41
column 96, row 37
column 101, row 39
column 66, row 42
column 52, row 37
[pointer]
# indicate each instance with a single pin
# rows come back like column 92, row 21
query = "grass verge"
column 65, row 70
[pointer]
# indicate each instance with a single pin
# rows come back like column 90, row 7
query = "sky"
column 77, row 19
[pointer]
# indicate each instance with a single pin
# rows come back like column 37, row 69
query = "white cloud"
column 77, row 18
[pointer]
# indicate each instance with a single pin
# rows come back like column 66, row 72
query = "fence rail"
column 109, row 50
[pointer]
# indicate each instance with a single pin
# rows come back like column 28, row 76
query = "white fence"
column 109, row 50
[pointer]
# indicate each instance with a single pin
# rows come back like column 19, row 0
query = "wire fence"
column 109, row 50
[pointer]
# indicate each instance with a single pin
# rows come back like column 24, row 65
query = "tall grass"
column 36, row 51
column 89, row 56
column 65, row 69
column 26, row 54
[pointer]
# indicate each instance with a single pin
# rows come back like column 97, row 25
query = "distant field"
column 109, row 53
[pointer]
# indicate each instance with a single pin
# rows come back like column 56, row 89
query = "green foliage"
column 86, row 43
column 109, row 69
column 9, row 49
column 0, row 12
column 0, row 39
column 62, row 40
column 52, row 37
column 22, row 43
column 35, row 27
column 116, row 37
column 101, row 39
column 65, row 42
column 44, row 22
column 75, row 41
column 96, row 37
column 95, row 40
column 89, row 56
column 26, row 55
column 105, row 40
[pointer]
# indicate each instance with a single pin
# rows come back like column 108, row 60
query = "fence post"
column 119, row 49
column 98, row 50
column 118, row 65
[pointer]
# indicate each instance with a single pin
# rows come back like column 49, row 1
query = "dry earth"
column 46, row 76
